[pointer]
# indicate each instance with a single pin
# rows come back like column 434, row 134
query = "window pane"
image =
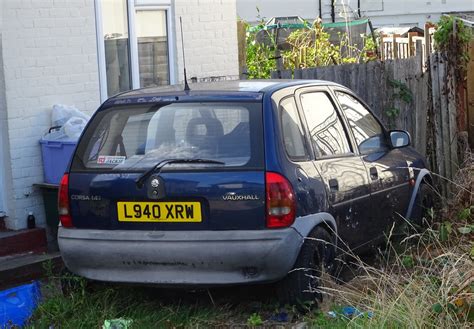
column 292, row 130
column 152, row 38
column 115, row 28
column 327, row 132
column 367, row 131
column 124, row 138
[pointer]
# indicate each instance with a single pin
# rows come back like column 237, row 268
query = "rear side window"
column 325, row 127
column 367, row 131
column 293, row 136
column 137, row 137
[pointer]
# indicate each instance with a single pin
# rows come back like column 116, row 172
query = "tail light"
column 281, row 204
column 63, row 202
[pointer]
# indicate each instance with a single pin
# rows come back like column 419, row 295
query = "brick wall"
column 49, row 57
column 210, row 38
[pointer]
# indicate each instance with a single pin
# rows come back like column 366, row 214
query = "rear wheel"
column 301, row 286
column 423, row 206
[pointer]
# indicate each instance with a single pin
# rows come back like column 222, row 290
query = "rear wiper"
column 157, row 168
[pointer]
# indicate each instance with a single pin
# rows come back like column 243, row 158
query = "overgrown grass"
column 427, row 285
column 89, row 308
column 426, row 279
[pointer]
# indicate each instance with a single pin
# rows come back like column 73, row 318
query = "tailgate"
column 123, row 142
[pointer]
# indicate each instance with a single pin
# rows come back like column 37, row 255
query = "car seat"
column 204, row 134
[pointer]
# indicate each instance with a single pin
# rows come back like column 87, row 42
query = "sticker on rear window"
column 111, row 159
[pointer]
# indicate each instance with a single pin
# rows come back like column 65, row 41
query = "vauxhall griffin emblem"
column 156, row 188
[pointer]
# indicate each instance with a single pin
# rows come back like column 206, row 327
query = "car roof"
column 222, row 90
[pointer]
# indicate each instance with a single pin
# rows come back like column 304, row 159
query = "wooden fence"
column 405, row 95
column 396, row 47
column 470, row 95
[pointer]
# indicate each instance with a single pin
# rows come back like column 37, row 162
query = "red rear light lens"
column 281, row 204
column 63, row 202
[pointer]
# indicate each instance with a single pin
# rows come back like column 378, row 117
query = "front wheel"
column 302, row 285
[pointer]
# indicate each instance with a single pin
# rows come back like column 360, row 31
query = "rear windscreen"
column 128, row 138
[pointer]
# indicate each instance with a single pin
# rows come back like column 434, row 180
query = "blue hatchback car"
column 232, row 183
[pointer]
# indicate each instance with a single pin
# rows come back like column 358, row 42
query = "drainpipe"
column 333, row 11
column 358, row 7
column 320, row 11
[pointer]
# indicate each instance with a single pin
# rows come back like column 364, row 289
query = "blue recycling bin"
column 56, row 157
column 17, row 304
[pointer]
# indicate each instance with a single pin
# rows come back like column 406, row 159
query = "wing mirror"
column 399, row 138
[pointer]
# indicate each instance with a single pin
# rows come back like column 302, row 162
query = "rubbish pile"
column 67, row 123
column 58, row 145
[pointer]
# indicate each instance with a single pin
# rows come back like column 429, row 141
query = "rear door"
column 122, row 142
column 343, row 172
column 387, row 167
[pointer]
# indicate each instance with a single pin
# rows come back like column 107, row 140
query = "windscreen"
column 135, row 138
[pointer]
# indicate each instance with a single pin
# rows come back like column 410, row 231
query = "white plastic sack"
column 74, row 127
column 62, row 113
column 69, row 123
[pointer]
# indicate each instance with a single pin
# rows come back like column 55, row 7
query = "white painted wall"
column 3, row 128
column 381, row 12
column 49, row 57
column 210, row 38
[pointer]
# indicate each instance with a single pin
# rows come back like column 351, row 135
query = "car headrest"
column 213, row 128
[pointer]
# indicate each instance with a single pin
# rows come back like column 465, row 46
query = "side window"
column 327, row 132
column 368, row 133
column 293, row 136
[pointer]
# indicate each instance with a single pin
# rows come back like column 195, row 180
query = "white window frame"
column 132, row 7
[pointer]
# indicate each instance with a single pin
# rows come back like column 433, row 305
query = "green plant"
column 407, row 261
column 260, row 57
column 369, row 52
column 465, row 213
column 308, row 47
column 254, row 320
column 401, row 92
column 452, row 38
column 445, row 229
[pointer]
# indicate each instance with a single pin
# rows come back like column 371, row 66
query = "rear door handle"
column 333, row 184
column 374, row 174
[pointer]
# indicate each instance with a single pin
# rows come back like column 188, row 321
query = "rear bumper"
column 180, row 257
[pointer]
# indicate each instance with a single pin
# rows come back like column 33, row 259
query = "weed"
column 254, row 320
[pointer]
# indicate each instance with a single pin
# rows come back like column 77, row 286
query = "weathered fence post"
column 470, row 95
column 419, row 54
column 394, row 47
column 241, row 43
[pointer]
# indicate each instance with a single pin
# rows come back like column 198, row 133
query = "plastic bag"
column 74, row 127
column 68, row 123
column 119, row 323
column 62, row 113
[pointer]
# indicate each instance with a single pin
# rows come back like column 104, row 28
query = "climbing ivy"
column 400, row 91
column 452, row 38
